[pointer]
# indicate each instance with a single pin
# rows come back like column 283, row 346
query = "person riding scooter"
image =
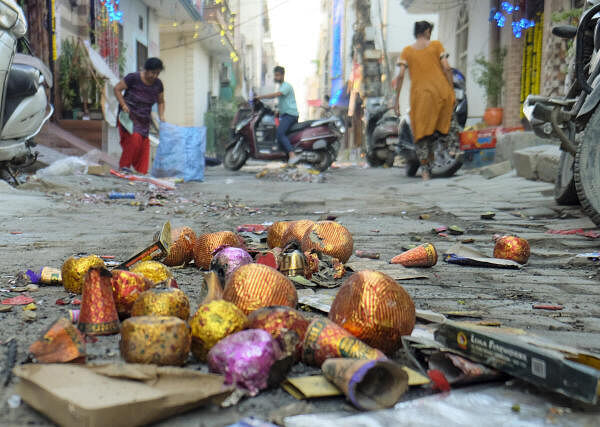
column 288, row 111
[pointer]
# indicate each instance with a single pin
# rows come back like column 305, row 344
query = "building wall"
column 511, row 99
column 133, row 10
column 253, row 34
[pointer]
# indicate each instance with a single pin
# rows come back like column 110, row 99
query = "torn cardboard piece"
column 565, row 370
column 463, row 255
column 116, row 395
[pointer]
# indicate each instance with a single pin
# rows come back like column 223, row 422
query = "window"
column 462, row 39
column 141, row 23
column 142, row 55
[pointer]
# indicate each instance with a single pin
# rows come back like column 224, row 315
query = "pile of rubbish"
column 293, row 174
column 252, row 326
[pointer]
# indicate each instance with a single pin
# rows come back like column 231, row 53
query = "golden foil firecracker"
column 422, row 256
column 296, row 231
column 512, row 248
column 254, row 286
column 206, row 244
column 375, row 309
column 162, row 302
column 158, row 340
column 285, row 324
column 213, row 322
column 182, row 249
column 275, row 234
column 330, row 238
column 325, row 339
column 292, row 264
column 98, row 314
column 74, row 271
column 155, row 271
column 127, row 287
column 60, row 343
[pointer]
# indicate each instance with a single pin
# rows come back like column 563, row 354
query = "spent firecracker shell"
column 275, row 234
column 228, row 259
column 155, row 271
column 74, row 270
column 254, row 286
column 296, row 231
column 127, row 287
column 375, row 309
column 98, row 314
column 62, row 342
column 513, row 248
column 421, row 256
column 157, row 340
column 181, row 250
column 162, row 302
column 330, row 238
column 206, row 244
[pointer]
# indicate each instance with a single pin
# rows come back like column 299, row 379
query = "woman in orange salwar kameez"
column 431, row 93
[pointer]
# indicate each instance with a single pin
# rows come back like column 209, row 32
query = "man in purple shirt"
column 142, row 90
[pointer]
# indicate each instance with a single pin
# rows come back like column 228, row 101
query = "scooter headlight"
column 8, row 16
column 339, row 124
column 242, row 124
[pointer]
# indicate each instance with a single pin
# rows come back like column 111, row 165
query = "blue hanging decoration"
column 112, row 9
column 507, row 8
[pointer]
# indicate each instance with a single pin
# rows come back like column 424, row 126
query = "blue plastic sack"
column 180, row 152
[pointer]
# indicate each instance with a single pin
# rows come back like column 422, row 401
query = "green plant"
column 490, row 76
column 570, row 16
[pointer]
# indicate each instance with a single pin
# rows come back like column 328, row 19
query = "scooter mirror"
column 565, row 31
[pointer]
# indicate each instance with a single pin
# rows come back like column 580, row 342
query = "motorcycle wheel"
column 587, row 169
column 373, row 160
column 325, row 160
column 235, row 157
column 446, row 165
column 412, row 165
column 565, row 192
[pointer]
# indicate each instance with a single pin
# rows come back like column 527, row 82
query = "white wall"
column 132, row 10
column 252, row 30
column 479, row 30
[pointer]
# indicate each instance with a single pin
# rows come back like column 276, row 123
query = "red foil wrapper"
column 330, row 238
column 275, row 234
column 296, row 231
column 98, row 315
column 285, row 324
column 324, row 340
column 375, row 309
column 255, row 286
column 421, row 256
column 269, row 258
column 127, row 287
column 182, row 250
column 60, row 343
column 512, row 248
column 206, row 244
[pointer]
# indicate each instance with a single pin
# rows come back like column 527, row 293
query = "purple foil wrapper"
column 34, row 277
column 245, row 358
column 228, row 259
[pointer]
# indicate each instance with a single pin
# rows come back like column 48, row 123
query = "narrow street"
column 50, row 219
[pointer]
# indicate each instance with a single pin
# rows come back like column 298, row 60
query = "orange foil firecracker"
column 74, row 270
column 422, row 256
column 375, row 309
column 325, row 339
column 206, row 244
column 512, row 248
column 162, row 302
column 98, row 315
column 182, row 249
column 296, row 231
column 159, row 340
column 127, row 287
column 285, row 324
column 60, row 343
column 330, row 238
column 153, row 270
column 276, row 233
column 254, row 286
column 213, row 322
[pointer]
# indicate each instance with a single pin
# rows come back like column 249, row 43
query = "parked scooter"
column 23, row 103
column 316, row 142
column 574, row 119
column 388, row 136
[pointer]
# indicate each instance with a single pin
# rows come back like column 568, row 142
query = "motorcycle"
column 24, row 106
column 316, row 142
column 574, row 119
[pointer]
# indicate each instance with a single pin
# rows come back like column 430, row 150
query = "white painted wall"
column 132, row 10
column 479, row 30
column 252, row 31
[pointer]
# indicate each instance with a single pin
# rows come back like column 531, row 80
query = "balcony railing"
column 218, row 12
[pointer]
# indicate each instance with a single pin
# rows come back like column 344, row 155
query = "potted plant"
column 490, row 76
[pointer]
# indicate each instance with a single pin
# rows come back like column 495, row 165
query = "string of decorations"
column 531, row 72
column 500, row 16
column 112, row 8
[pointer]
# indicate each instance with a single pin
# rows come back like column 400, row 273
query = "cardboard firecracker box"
column 484, row 138
column 565, row 370
column 479, row 158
